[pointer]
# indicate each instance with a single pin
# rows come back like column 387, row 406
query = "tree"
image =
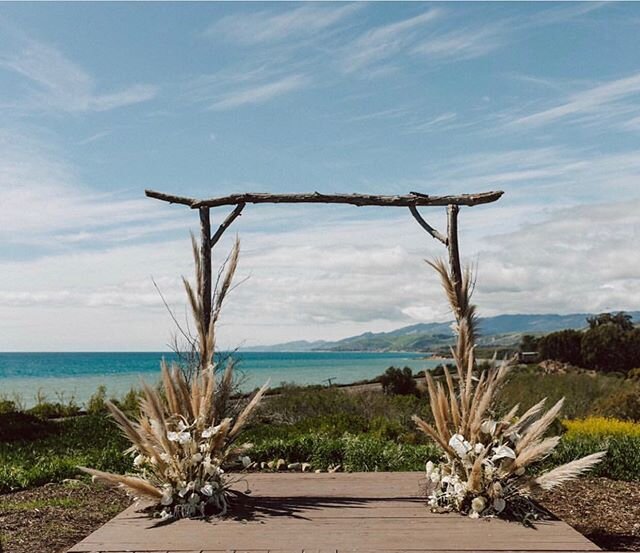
column 564, row 346
column 621, row 319
column 529, row 343
column 397, row 381
column 605, row 347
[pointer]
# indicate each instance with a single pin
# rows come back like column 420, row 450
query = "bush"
column 580, row 391
column 624, row 404
column 399, row 382
column 356, row 453
column 54, row 454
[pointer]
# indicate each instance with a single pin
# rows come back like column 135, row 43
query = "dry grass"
column 186, row 432
column 486, row 460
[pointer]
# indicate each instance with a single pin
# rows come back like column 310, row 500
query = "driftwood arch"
column 412, row 201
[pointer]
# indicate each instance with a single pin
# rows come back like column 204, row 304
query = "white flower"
column 479, row 448
column 459, row 445
column 478, row 504
column 429, row 468
column 211, row 431
column 182, row 437
column 488, row 427
column 196, row 458
column 473, row 514
column 503, row 451
column 186, row 488
column 167, row 496
column 207, row 490
column 499, row 504
column 435, row 476
column 139, row 460
column 165, row 515
column 165, row 457
column 246, row 461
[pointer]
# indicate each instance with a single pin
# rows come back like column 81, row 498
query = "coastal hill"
column 501, row 330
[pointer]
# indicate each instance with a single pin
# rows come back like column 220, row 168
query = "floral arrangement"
column 488, row 461
column 186, row 432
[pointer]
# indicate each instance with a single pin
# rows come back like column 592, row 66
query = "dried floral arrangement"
column 488, row 466
column 186, row 433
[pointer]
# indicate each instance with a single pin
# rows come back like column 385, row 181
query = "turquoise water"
column 78, row 375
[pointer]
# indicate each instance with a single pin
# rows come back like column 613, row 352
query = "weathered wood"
column 317, row 198
column 205, row 266
column 452, row 245
column 170, row 198
column 426, row 226
column 225, row 224
column 363, row 512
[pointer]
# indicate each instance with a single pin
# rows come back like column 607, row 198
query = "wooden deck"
column 362, row 512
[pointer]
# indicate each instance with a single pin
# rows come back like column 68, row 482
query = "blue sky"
column 99, row 101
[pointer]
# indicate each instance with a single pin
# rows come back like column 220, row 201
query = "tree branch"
column 225, row 224
column 426, row 226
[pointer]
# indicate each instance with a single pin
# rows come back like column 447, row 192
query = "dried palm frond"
column 486, row 460
column 186, row 433
column 568, row 471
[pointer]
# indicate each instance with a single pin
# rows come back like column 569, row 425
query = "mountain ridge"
column 500, row 330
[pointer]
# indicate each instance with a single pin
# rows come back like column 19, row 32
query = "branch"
column 225, row 224
column 415, row 199
column 170, row 198
column 426, row 226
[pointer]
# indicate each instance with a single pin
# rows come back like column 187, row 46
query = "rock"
column 271, row 464
column 281, row 464
column 318, row 471
column 306, row 467
column 294, row 466
column 335, row 468
column 263, row 465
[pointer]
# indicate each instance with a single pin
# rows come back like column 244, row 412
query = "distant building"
column 528, row 357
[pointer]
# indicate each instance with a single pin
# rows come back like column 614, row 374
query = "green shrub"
column 91, row 440
column 623, row 404
column 353, row 452
column 400, row 382
column 581, row 391
column 622, row 461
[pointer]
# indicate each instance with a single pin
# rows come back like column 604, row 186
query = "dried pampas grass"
column 486, row 460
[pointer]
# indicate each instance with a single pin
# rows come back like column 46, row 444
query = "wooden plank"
column 324, row 513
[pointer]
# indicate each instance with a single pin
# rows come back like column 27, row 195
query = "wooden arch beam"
column 360, row 200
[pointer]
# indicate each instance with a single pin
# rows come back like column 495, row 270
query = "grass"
column 58, row 448
column 30, row 505
column 326, row 427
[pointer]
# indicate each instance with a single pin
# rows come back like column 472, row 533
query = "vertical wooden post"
column 452, row 245
column 205, row 264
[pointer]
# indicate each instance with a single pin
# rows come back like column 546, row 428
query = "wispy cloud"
column 57, row 83
column 589, row 103
column 462, row 44
column 385, row 41
column 260, row 93
column 228, row 91
column 265, row 26
column 439, row 123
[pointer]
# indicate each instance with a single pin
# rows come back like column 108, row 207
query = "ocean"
column 63, row 376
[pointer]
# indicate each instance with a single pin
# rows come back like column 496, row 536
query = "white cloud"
column 461, row 44
column 257, row 27
column 259, row 93
column 57, row 83
column 593, row 102
column 384, row 42
column 44, row 202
